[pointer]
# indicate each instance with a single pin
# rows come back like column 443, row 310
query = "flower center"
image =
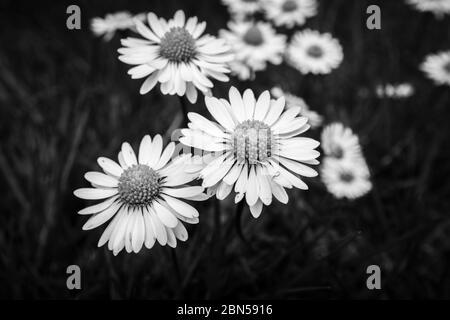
column 347, row 177
column 289, row 6
column 315, row 51
column 447, row 67
column 249, row 1
column 254, row 36
column 139, row 185
column 178, row 45
column 252, row 141
column 336, row 152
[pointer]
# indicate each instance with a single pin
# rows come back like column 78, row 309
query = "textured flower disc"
column 139, row 185
column 252, row 141
column 178, row 45
column 254, row 36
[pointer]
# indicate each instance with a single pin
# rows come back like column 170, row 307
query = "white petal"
column 150, row 237
column 171, row 239
column 164, row 214
column 279, row 193
column 265, row 192
column 102, row 217
column 262, row 105
column 149, row 83
column 256, row 209
column 206, row 125
column 220, row 113
column 158, row 228
column 249, row 103
column 128, row 154
column 165, row 157
column 145, row 149
column 155, row 24
column 94, row 193
column 157, row 145
column 241, row 183
column 98, row 207
column 101, row 179
column 233, row 174
column 251, row 196
column 181, row 207
column 110, row 228
column 185, row 192
column 180, row 232
column 138, row 238
column 109, row 166
column 275, row 110
column 223, row 190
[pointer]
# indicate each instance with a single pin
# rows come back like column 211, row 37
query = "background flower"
column 254, row 45
column 289, row 12
column 257, row 149
column 141, row 197
column 175, row 54
column 112, row 22
column 312, row 52
column 437, row 67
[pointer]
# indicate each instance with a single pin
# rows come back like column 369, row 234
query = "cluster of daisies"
column 435, row 66
column 250, row 145
column 257, row 42
column 344, row 170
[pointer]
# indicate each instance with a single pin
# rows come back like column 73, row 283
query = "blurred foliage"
column 65, row 100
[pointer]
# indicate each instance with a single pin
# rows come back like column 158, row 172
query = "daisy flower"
column 437, row 67
column 314, row 119
column 141, row 197
column 340, row 142
column 312, row 52
column 402, row 90
column 241, row 8
column 254, row 44
column 289, row 12
column 175, row 54
column 438, row 7
column 112, row 22
column 255, row 148
column 346, row 179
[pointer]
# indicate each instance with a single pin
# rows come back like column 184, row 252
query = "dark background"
column 65, row 100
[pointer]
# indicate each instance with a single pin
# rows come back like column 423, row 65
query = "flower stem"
column 184, row 111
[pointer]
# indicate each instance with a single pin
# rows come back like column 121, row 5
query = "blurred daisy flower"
column 312, row 52
column 438, row 7
column 402, row 90
column 314, row 119
column 141, row 197
column 175, row 54
column 437, row 67
column 254, row 44
column 339, row 142
column 289, row 12
column 346, row 179
column 112, row 22
column 241, row 8
column 255, row 148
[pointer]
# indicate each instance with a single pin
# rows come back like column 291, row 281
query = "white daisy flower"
column 290, row 13
column 314, row 119
column 346, row 179
column 254, row 146
column 437, row 67
column 339, row 142
column 312, row 52
column 239, row 9
column 438, row 7
column 112, row 22
column 398, row 91
column 175, row 54
column 254, row 44
column 141, row 197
